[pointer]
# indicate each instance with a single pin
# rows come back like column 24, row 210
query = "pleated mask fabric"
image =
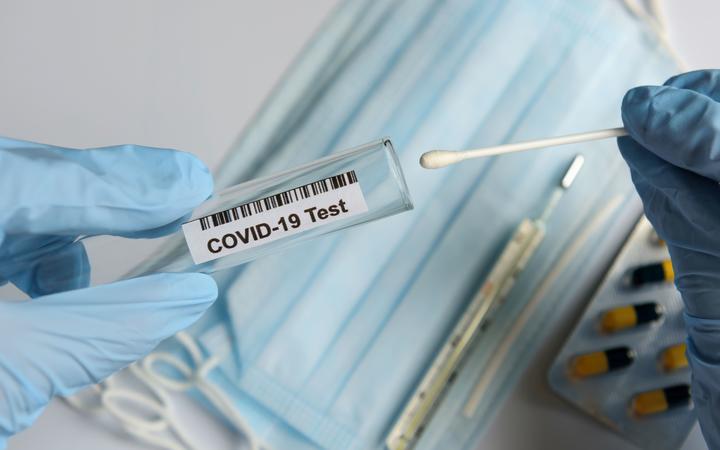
column 323, row 343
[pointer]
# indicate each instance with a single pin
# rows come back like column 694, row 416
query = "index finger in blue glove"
column 114, row 190
column 705, row 82
column 678, row 125
column 52, row 194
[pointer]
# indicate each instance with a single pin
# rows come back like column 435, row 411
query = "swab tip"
column 436, row 159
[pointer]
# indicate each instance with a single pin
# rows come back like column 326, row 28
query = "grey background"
column 189, row 75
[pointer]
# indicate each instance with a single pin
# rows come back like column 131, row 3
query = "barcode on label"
column 278, row 200
column 274, row 217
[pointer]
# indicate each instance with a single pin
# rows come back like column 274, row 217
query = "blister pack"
column 624, row 363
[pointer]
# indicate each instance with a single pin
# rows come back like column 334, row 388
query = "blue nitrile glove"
column 674, row 159
column 59, row 342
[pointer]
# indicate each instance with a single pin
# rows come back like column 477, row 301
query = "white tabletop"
column 190, row 75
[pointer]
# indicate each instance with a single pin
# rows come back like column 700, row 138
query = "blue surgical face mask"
column 321, row 345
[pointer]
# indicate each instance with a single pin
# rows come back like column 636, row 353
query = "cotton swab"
column 436, row 159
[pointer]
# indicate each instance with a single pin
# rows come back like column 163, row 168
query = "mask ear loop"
column 655, row 8
column 146, row 430
column 197, row 378
column 654, row 17
column 113, row 399
column 116, row 401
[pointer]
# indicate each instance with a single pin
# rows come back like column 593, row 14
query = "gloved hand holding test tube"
column 70, row 336
column 240, row 223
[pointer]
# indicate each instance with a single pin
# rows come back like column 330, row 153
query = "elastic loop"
column 166, row 381
column 112, row 400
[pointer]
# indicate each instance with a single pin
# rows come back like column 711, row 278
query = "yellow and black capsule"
column 652, row 273
column 674, row 357
column 630, row 316
column 598, row 363
column 660, row 400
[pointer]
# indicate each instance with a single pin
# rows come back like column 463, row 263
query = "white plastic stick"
column 436, row 159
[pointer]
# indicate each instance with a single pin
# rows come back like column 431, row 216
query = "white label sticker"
column 262, row 221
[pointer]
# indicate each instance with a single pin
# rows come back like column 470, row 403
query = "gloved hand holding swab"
column 436, row 159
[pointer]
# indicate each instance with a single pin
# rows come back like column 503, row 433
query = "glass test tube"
column 256, row 218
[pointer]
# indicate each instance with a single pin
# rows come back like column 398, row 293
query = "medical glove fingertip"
column 171, row 180
column 186, row 298
column 636, row 106
column 156, row 305
column 178, row 183
column 199, row 286
column 198, row 177
column 188, row 294
column 705, row 81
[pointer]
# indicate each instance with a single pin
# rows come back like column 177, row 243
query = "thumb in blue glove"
column 674, row 156
column 60, row 342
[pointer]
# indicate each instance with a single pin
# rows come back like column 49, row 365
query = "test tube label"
column 274, row 217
